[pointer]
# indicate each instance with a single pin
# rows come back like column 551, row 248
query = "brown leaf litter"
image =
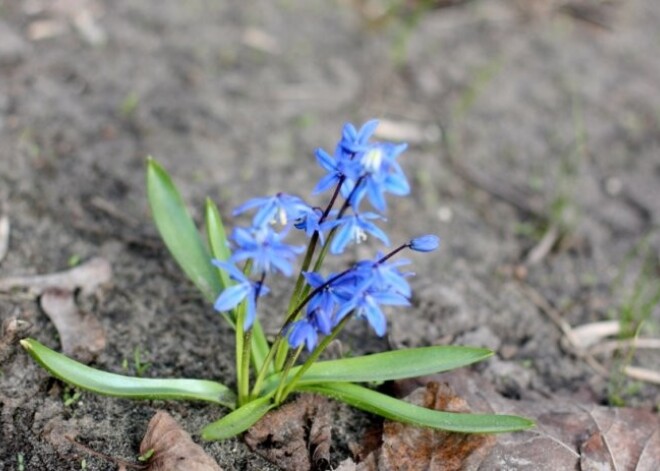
column 11, row 331
column 81, row 333
column 568, row 435
column 406, row 447
column 296, row 436
column 86, row 277
column 172, row 449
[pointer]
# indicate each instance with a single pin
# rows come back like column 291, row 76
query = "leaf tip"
column 207, row 435
column 25, row 343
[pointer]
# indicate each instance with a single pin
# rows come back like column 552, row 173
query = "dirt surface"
column 520, row 115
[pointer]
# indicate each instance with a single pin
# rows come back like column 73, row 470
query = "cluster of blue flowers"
column 359, row 170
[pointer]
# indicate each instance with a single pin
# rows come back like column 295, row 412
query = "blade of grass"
column 237, row 421
column 179, row 233
column 111, row 384
column 387, row 366
column 395, row 409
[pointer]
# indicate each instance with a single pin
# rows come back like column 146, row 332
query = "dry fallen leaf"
column 568, row 434
column 4, row 236
column 81, row 334
column 406, row 447
column 11, row 331
column 296, row 436
column 87, row 277
column 173, row 449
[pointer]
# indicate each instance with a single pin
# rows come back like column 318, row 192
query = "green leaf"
column 387, row 366
column 394, row 409
column 238, row 421
column 218, row 242
column 111, row 384
column 217, row 237
column 178, row 231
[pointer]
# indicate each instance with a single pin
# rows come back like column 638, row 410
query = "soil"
column 520, row 116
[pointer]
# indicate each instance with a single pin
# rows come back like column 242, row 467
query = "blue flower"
column 280, row 208
column 366, row 304
column 329, row 295
column 426, row 243
column 354, row 141
column 303, row 331
column 243, row 289
column 384, row 276
column 340, row 168
column 381, row 174
column 354, row 228
column 265, row 248
column 310, row 222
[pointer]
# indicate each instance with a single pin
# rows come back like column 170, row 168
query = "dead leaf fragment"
column 81, row 333
column 568, row 435
column 418, row 449
column 173, row 449
column 297, row 436
column 87, row 277
column 4, row 236
column 12, row 331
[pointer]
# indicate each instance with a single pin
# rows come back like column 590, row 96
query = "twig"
column 4, row 237
column 642, row 374
column 112, row 459
column 111, row 210
column 573, row 344
column 636, row 343
column 544, row 246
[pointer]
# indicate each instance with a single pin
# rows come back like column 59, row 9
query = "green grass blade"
column 111, row 384
column 387, row 366
column 238, row 421
column 178, row 231
column 395, row 409
column 217, row 237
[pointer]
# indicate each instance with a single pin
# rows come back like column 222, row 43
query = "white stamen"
column 372, row 160
column 359, row 236
column 282, row 216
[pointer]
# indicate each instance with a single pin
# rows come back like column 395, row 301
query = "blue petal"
column 344, row 311
column 367, row 130
column 342, row 238
column 375, row 318
column 325, row 183
column 325, row 160
column 375, row 231
column 390, row 298
column 250, row 204
column 376, row 197
column 301, row 332
column 323, row 321
column 234, row 273
column 250, row 313
column 397, row 185
column 231, row 297
column 266, row 214
column 313, row 279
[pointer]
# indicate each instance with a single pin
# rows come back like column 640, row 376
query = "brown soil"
column 518, row 108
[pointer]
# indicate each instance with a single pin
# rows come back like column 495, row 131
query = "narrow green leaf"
column 218, row 242
column 238, row 421
column 395, row 409
column 178, row 231
column 111, row 384
column 388, row 366
column 217, row 237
